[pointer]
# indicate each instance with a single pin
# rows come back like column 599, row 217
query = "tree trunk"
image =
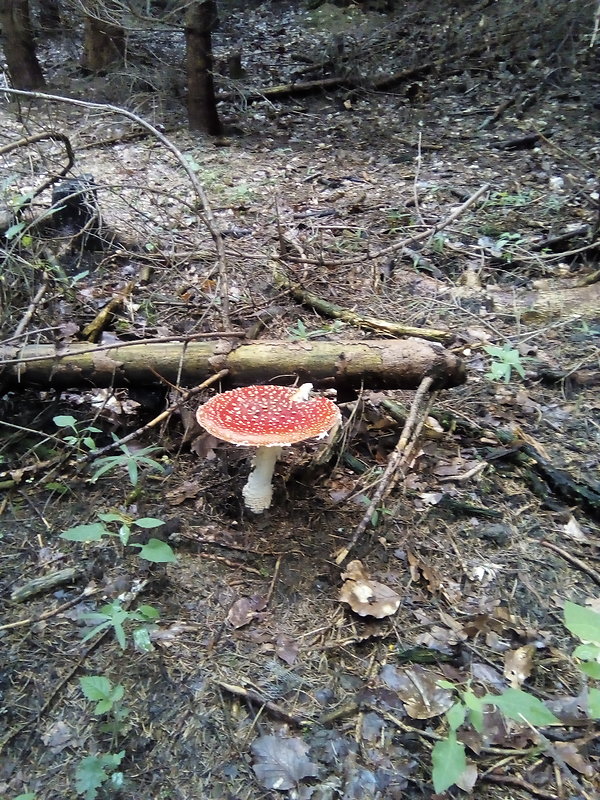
column 49, row 16
column 346, row 366
column 200, row 19
column 19, row 46
column 104, row 41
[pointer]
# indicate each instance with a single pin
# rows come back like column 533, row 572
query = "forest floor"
column 242, row 673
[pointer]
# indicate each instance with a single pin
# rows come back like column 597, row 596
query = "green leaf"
column 95, row 687
column 591, row 669
column 64, row 421
column 449, row 762
column 521, row 706
column 587, row 652
column 90, row 772
column 446, row 684
column 148, row 612
column 111, row 517
column 456, row 715
column 102, row 626
column 124, row 534
column 594, row 703
column 89, row 776
column 141, row 640
column 14, row 230
column 85, row 533
column 475, row 705
column 158, row 552
column 120, row 634
column 132, row 469
column 582, row 622
column 26, row 796
column 148, row 522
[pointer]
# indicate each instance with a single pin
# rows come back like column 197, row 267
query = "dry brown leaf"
column 287, row 649
column 570, row 754
column 58, row 736
column 366, row 597
column 518, row 665
column 417, row 688
column 244, row 610
column 468, row 778
column 185, row 491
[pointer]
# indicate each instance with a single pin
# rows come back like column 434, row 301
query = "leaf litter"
column 479, row 602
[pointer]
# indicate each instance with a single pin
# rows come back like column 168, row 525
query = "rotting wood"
column 374, row 364
column 44, row 583
column 581, row 301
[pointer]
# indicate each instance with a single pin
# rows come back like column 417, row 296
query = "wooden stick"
column 398, row 459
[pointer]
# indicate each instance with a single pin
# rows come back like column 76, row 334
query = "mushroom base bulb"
column 258, row 491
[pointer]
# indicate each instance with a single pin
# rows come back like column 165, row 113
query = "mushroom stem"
column 258, row 490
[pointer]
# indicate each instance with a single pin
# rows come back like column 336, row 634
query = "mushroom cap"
column 267, row 416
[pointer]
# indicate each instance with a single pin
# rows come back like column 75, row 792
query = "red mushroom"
column 268, row 418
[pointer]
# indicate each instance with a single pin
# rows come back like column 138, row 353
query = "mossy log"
column 374, row 364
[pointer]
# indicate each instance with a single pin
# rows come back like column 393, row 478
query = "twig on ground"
column 397, row 461
column 269, row 705
column 117, row 345
column 576, row 562
column 31, row 309
column 48, row 614
column 518, row 783
column 361, row 321
column 273, row 581
column 65, row 679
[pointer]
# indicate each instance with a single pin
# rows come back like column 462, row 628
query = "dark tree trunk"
column 19, row 46
column 104, row 41
column 50, row 16
column 200, row 19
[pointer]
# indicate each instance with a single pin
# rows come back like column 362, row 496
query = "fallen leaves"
column 282, row 763
column 365, row 596
column 246, row 609
column 418, row 689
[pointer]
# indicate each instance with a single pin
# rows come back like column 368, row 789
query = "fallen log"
column 375, row 364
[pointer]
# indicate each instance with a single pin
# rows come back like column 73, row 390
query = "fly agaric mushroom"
column 268, row 418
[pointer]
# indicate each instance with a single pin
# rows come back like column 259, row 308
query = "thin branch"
column 397, row 461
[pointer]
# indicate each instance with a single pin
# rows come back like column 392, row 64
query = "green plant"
column 448, row 755
column 93, row 771
column 509, row 200
column 505, row 360
column 438, row 243
column 108, row 698
column 154, row 550
column 301, row 333
column 378, row 513
column 80, row 438
column 130, row 460
column 113, row 615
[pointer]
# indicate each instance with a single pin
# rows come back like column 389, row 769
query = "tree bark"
column 200, row 19
column 346, row 366
column 49, row 16
column 19, row 45
column 104, row 40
